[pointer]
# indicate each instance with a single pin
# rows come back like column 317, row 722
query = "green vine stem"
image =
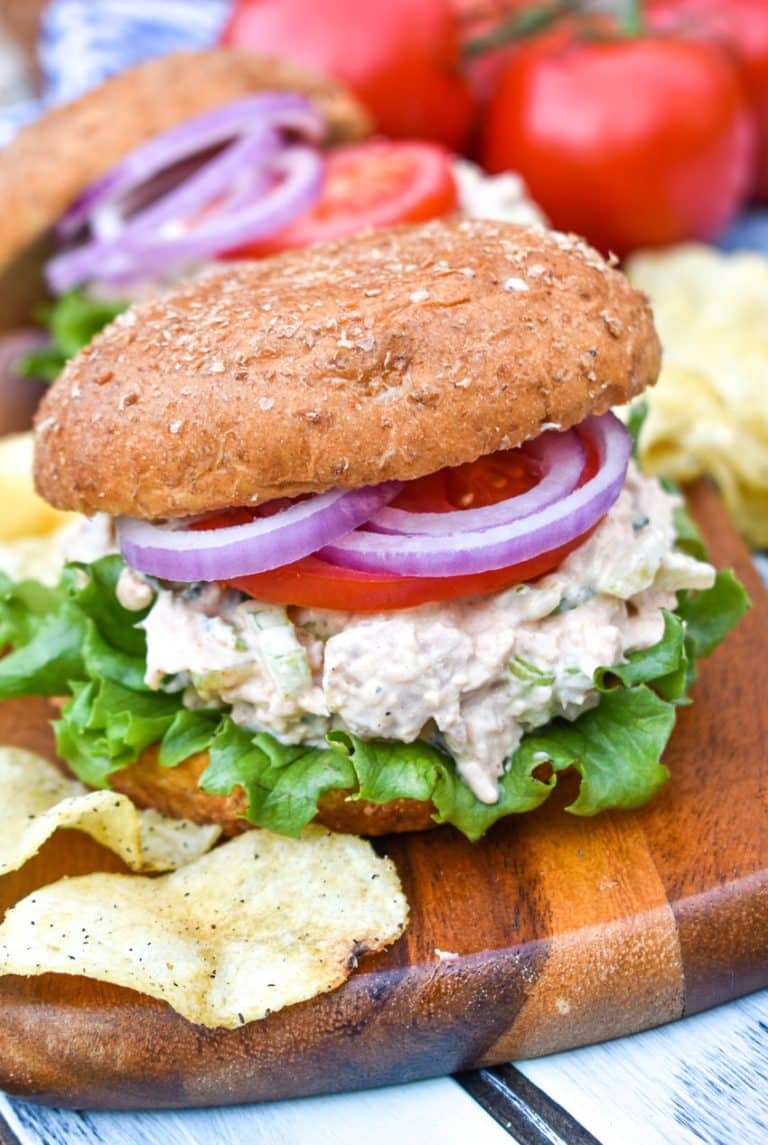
column 521, row 25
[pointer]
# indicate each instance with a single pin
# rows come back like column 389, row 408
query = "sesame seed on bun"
column 387, row 356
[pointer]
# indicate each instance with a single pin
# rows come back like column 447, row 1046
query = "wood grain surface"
column 567, row 930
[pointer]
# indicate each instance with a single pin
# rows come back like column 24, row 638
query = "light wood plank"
column 430, row 1111
column 701, row 1080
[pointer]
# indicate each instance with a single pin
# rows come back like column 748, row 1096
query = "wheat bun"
column 52, row 160
column 174, row 791
column 385, row 356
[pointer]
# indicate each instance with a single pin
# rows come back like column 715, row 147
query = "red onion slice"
column 287, row 110
column 461, row 553
column 183, row 554
column 300, row 171
column 238, row 174
column 257, row 184
column 137, row 253
column 561, row 458
column 239, row 166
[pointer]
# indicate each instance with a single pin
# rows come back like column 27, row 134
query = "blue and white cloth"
column 748, row 232
column 83, row 42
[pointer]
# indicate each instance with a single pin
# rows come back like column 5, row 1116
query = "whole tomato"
column 742, row 25
column 400, row 57
column 631, row 141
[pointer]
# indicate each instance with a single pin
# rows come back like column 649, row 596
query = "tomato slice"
column 375, row 184
column 486, row 481
column 314, row 583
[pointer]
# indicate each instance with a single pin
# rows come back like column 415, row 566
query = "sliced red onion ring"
column 106, row 222
column 112, row 234
column 239, row 165
column 175, row 194
column 257, row 184
column 300, row 171
column 287, row 110
column 461, row 553
column 561, row 457
column 137, row 253
column 183, row 554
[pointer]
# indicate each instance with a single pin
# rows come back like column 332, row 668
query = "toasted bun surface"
column 174, row 791
column 52, row 160
column 387, row 356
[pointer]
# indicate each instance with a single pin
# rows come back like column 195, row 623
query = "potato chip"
column 25, row 514
column 34, row 558
column 38, row 800
column 709, row 412
column 260, row 923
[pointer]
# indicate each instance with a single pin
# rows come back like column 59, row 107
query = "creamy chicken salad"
column 472, row 675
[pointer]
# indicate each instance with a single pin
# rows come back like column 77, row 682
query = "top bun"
column 386, row 356
column 52, row 160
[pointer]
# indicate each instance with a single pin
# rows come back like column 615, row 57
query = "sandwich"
column 191, row 158
column 366, row 544
column 84, row 184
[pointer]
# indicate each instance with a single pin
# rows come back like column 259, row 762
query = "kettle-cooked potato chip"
column 38, row 800
column 34, row 558
column 709, row 412
column 259, row 923
column 25, row 514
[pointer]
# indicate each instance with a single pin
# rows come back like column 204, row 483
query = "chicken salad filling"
column 471, row 676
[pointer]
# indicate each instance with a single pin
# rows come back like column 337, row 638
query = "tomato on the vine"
column 400, row 58
column 374, row 184
column 742, row 26
column 629, row 140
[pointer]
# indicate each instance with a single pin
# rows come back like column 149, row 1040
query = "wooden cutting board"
column 565, row 930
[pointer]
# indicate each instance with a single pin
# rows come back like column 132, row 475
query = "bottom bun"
column 174, row 791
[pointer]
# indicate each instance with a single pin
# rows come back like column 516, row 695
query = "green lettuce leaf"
column 283, row 784
column 76, row 641
column 21, row 603
column 76, row 631
column 49, row 659
column 381, row 775
column 92, row 588
column 689, row 538
column 664, row 663
column 615, row 747
column 106, row 726
column 46, row 632
column 72, row 320
column 286, row 783
column 188, row 733
column 519, row 790
column 710, row 615
column 636, row 416
column 86, row 749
